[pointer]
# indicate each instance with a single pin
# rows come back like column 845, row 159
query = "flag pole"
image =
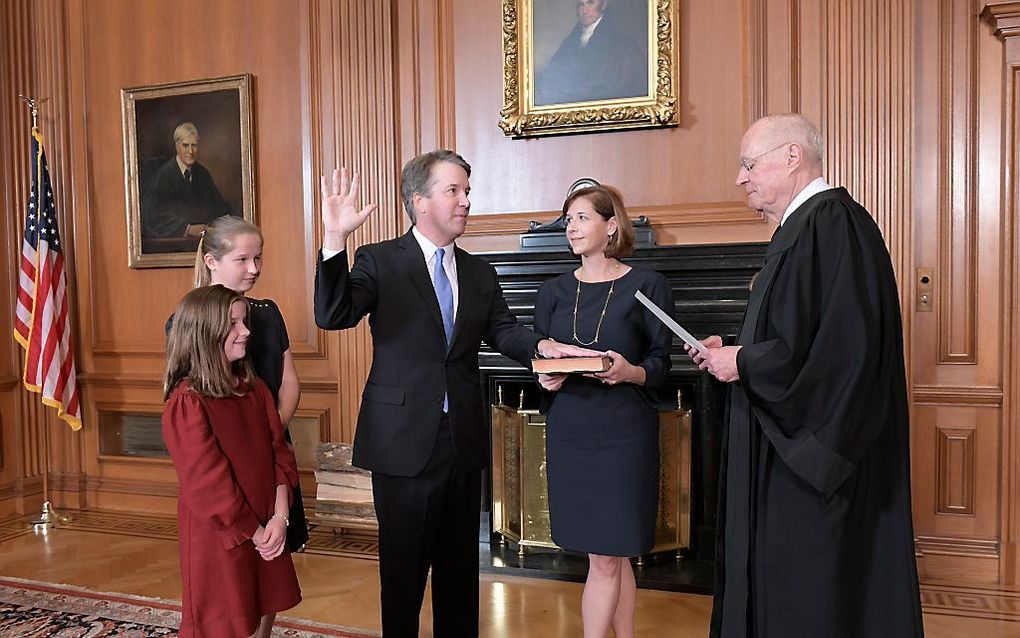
column 49, row 516
column 33, row 106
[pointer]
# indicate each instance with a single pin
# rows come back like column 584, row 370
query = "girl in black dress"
column 602, row 430
column 230, row 253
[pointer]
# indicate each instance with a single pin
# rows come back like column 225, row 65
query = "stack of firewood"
column 344, row 494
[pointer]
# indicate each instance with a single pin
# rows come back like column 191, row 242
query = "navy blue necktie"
column 444, row 293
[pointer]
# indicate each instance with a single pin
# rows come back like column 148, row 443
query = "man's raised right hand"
column 340, row 214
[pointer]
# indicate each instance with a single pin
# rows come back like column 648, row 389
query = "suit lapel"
column 415, row 263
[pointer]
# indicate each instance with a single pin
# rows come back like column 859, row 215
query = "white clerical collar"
column 586, row 32
column 816, row 186
column 429, row 249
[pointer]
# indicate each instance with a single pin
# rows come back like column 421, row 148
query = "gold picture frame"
column 545, row 97
column 175, row 185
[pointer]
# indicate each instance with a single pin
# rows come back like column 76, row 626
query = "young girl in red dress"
column 235, row 469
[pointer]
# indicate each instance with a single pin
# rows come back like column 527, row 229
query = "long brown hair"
column 218, row 240
column 608, row 203
column 195, row 345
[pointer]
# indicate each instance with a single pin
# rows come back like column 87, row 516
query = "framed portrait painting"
column 588, row 65
column 188, row 160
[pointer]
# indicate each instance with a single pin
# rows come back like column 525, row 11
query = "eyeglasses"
column 748, row 164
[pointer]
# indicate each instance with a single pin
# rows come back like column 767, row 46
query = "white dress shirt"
column 428, row 250
column 588, row 31
column 817, row 186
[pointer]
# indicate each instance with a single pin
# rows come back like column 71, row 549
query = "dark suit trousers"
column 429, row 520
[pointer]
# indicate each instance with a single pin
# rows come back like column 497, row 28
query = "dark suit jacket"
column 411, row 366
column 611, row 66
column 170, row 202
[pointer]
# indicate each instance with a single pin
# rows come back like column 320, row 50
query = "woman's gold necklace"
column 602, row 315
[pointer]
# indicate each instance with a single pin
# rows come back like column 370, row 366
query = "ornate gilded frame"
column 520, row 117
column 141, row 253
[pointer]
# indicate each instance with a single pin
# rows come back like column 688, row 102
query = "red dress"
column 230, row 455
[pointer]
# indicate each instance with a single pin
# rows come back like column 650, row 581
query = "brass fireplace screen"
column 520, row 497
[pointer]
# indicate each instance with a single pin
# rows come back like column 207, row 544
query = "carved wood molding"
column 137, row 461
column 357, row 45
column 955, row 455
column 714, row 213
column 105, row 348
column 980, row 396
column 125, row 380
column 132, row 486
column 7, row 384
column 321, row 386
column 28, row 485
column 867, row 113
column 957, row 546
column 67, row 481
column 446, row 102
column 323, row 426
column 756, row 59
column 15, row 78
column 795, row 52
column 957, row 219
column 1004, row 18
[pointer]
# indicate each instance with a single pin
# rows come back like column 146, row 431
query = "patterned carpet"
column 30, row 609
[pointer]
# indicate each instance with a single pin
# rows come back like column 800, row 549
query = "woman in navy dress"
column 602, row 429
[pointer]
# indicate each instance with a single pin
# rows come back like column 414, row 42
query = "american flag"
column 40, row 323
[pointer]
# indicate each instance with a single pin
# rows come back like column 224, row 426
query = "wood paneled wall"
column 918, row 101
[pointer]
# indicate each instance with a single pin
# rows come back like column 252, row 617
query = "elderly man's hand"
column 719, row 360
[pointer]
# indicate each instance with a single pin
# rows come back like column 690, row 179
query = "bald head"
column 779, row 156
column 789, row 128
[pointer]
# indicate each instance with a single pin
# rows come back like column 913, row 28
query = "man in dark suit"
column 181, row 197
column 421, row 426
column 599, row 60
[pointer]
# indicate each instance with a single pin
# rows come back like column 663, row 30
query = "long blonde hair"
column 195, row 345
column 218, row 240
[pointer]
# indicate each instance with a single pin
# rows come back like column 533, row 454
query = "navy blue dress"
column 602, row 442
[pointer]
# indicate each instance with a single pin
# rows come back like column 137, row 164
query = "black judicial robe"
column 171, row 202
column 816, row 538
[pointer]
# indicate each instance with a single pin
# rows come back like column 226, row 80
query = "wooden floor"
column 345, row 590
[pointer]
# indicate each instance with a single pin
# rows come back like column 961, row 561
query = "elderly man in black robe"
column 815, row 526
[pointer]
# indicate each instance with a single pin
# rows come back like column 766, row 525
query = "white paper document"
column 666, row 319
